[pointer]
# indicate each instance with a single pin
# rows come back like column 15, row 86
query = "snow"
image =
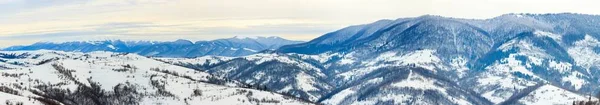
column 418, row 82
column 526, row 48
column 421, row 58
column 588, row 41
column 100, row 67
column 460, row 64
column 560, row 66
column 339, row 97
column 210, row 60
column 251, row 50
column 14, row 99
column 534, row 60
column 506, row 46
column 556, row 37
column 575, row 80
column 500, row 74
column 301, row 81
column 305, row 82
column 498, row 82
column 519, row 16
column 262, row 58
column 511, row 64
column 111, row 47
column 28, row 60
column 494, row 98
column 551, row 95
column 322, row 58
column 359, row 72
column 346, row 61
column 501, row 80
column 413, row 81
column 583, row 54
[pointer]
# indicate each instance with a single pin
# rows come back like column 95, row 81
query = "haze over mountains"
column 510, row 59
column 236, row 46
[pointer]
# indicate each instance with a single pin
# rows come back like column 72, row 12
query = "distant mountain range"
column 180, row 48
column 536, row 59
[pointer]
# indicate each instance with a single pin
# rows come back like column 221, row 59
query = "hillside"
column 100, row 78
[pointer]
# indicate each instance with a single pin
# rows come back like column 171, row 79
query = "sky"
column 28, row 21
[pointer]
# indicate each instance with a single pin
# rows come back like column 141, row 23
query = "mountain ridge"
column 178, row 48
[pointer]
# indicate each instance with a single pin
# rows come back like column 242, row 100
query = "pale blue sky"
column 29, row 21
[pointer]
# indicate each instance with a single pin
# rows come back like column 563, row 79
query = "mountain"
column 427, row 60
column 278, row 73
column 180, row 48
column 509, row 59
column 545, row 95
column 106, row 78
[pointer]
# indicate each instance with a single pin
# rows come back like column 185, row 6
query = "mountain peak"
column 255, row 37
column 430, row 16
column 183, row 42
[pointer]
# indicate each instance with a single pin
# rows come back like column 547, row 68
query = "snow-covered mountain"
column 236, row 46
column 276, row 72
column 105, row 78
column 509, row 59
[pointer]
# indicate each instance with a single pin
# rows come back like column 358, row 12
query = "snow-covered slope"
column 397, row 85
column 99, row 78
column 291, row 74
column 198, row 63
column 276, row 72
column 549, row 95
